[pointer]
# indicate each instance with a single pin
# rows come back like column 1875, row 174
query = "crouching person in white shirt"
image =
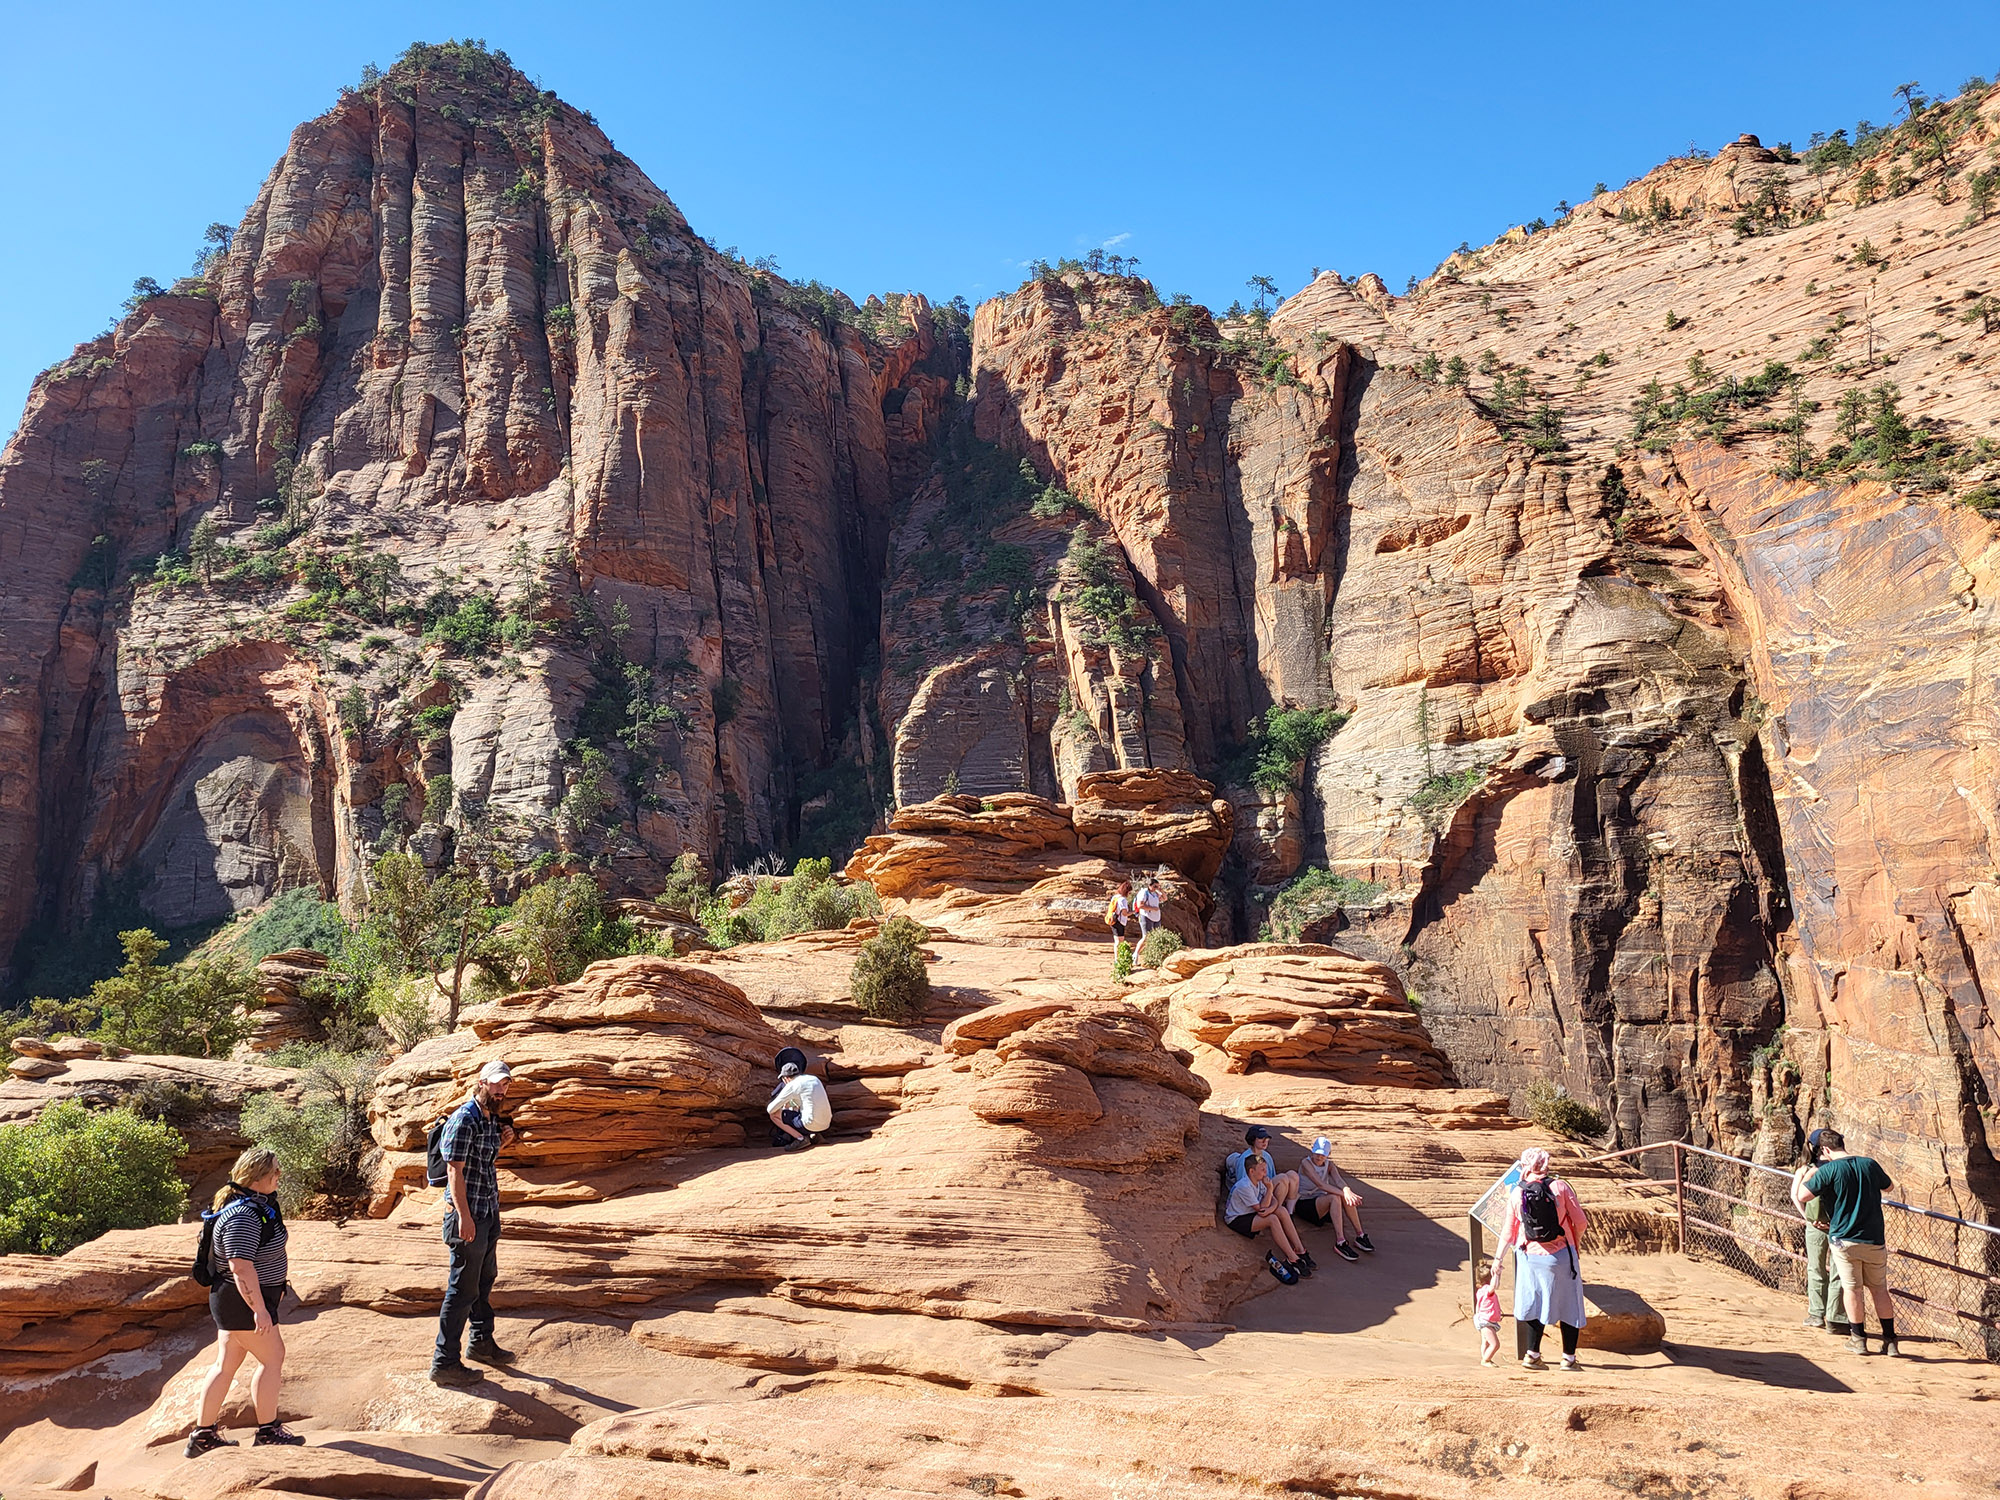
column 800, row 1110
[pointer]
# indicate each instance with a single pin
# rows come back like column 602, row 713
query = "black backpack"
column 436, row 1169
column 1540, row 1219
column 269, row 1221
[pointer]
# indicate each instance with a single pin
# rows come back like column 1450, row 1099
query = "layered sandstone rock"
column 638, row 1059
column 1298, row 1008
column 282, row 1014
column 1019, row 868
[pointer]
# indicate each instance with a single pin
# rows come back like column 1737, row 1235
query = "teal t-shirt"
column 1850, row 1191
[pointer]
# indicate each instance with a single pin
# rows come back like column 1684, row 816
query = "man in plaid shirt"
column 471, row 1143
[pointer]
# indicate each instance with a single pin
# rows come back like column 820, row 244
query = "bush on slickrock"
column 1159, row 946
column 809, row 900
column 889, row 980
column 322, row 1141
column 1550, row 1106
column 73, row 1173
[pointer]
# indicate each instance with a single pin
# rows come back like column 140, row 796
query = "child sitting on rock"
column 1486, row 1317
column 1254, row 1205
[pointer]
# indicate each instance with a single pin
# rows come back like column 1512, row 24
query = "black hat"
column 1256, row 1133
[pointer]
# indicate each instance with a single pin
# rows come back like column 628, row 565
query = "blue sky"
column 938, row 146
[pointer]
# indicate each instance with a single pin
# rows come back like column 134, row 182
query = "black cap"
column 1256, row 1133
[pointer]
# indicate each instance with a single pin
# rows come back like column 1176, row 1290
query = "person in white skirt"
column 1544, row 1223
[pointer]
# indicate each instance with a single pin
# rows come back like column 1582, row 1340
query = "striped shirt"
column 238, row 1229
column 472, row 1136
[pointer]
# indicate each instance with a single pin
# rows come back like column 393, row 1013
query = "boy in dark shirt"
column 1849, row 1189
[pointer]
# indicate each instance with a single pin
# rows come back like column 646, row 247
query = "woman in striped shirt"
column 247, row 1255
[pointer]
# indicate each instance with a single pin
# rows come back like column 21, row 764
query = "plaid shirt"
column 472, row 1136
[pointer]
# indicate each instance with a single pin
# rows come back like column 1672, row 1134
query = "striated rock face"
column 461, row 351
column 281, row 1015
column 1299, row 1008
column 1019, row 868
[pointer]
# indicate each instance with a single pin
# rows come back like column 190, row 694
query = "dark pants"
column 792, row 1118
column 1570, row 1333
column 466, row 1295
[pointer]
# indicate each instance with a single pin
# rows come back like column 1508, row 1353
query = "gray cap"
column 789, row 1070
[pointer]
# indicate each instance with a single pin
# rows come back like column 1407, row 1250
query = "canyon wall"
column 483, row 484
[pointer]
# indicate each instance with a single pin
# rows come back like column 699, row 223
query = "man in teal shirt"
column 1849, row 1189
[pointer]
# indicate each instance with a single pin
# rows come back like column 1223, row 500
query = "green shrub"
column 322, row 1141
column 1315, row 893
column 73, row 1173
column 1440, row 794
column 1278, row 743
column 687, row 885
column 811, row 900
column 195, row 1008
column 1121, row 965
column 561, row 927
column 296, row 919
column 1550, row 1106
column 1160, row 945
column 889, row 980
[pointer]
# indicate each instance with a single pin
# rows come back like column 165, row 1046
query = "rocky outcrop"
column 639, row 1059
column 282, row 1013
column 1297, row 1008
column 1019, row 868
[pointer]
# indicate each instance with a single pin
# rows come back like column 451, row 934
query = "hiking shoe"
column 1856, row 1344
column 274, row 1435
column 1532, row 1360
column 206, row 1440
column 453, row 1372
column 1893, row 1349
column 1362, row 1242
column 1280, row 1270
column 1570, row 1362
column 1344, row 1250
column 1815, row 1322
column 483, row 1349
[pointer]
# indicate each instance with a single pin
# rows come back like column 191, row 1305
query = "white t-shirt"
column 1244, row 1198
column 807, row 1095
column 1149, row 904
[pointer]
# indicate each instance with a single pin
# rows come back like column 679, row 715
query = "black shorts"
column 1119, row 929
column 232, row 1314
column 1309, row 1210
column 1245, row 1225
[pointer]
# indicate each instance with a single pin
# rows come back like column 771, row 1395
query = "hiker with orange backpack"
column 1119, row 913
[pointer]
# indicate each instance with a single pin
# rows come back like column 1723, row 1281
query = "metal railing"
column 1944, row 1271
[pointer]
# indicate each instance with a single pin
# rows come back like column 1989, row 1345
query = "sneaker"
column 1344, row 1250
column 1856, row 1344
column 1280, row 1270
column 1893, row 1349
column 1302, row 1266
column 1532, row 1360
column 274, row 1435
column 1570, row 1362
column 1306, row 1263
column 206, row 1440
column 453, row 1372
column 483, row 1349
column 1815, row 1322
column 1362, row 1242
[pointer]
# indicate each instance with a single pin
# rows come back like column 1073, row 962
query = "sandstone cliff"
column 470, row 497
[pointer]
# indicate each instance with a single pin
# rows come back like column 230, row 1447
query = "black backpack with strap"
column 1541, row 1219
column 270, row 1219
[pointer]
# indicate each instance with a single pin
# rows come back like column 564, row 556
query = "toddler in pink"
column 1486, row 1315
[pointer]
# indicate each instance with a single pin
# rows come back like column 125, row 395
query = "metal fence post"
column 1680, row 1196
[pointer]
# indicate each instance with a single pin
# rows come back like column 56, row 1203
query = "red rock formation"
column 460, row 333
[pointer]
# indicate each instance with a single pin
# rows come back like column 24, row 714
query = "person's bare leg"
column 269, row 1349
column 1353, row 1216
column 1854, row 1298
column 1336, row 1215
column 228, row 1360
column 1288, row 1190
column 1885, row 1305
column 1297, row 1246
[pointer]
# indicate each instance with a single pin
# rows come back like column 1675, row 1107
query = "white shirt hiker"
column 807, row 1095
